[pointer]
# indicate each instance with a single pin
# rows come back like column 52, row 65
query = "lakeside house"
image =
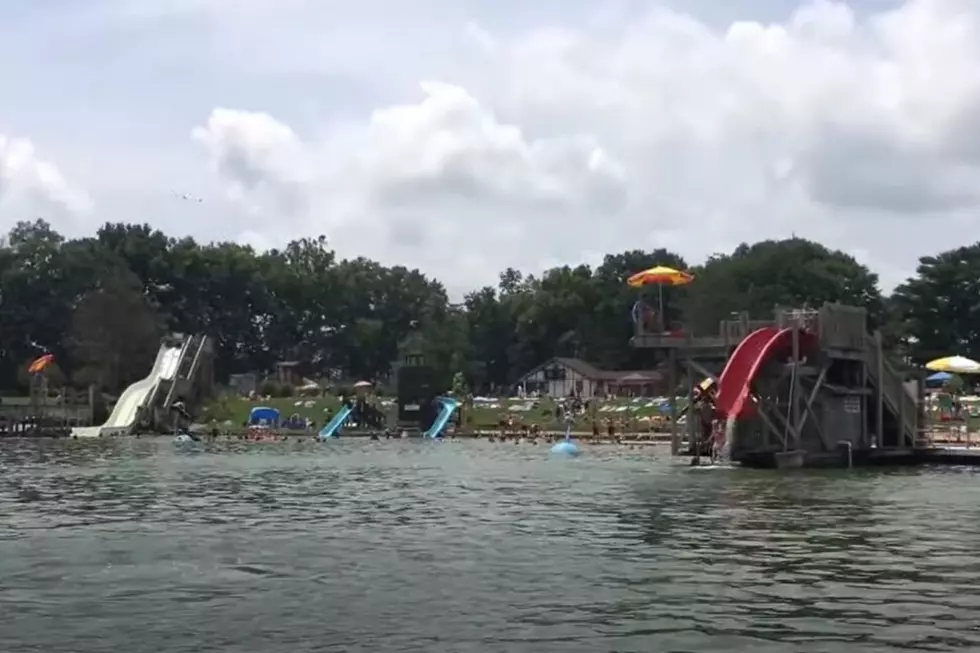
column 562, row 377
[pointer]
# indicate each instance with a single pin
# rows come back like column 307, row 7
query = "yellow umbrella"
column 954, row 365
column 660, row 275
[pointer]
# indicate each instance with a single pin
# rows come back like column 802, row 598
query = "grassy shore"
column 635, row 415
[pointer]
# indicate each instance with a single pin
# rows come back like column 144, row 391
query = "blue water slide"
column 446, row 409
column 331, row 428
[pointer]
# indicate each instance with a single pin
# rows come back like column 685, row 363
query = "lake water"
column 395, row 546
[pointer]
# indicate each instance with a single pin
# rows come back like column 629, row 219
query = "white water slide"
column 127, row 408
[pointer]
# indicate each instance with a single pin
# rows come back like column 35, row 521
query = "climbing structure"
column 812, row 388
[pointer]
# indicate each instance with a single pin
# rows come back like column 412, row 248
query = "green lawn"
column 542, row 412
column 236, row 409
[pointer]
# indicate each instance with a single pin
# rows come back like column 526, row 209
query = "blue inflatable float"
column 567, row 447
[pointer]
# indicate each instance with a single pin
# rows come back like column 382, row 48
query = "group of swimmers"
column 269, row 435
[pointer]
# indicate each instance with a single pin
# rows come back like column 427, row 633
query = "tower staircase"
column 895, row 396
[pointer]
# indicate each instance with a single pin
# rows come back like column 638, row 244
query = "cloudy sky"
column 465, row 136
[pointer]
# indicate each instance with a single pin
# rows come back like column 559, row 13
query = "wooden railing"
column 730, row 333
column 735, row 331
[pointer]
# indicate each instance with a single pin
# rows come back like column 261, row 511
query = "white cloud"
column 434, row 178
column 31, row 187
column 261, row 159
column 555, row 131
column 653, row 131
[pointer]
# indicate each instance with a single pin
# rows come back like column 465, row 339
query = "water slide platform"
column 126, row 411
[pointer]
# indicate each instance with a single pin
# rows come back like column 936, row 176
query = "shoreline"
column 478, row 434
column 286, row 435
column 244, row 434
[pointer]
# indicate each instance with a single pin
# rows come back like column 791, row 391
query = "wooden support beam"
column 808, row 409
column 881, row 391
column 901, row 419
column 808, row 406
column 794, row 411
column 693, row 423
column 768, row 422
column 865, row 405
column 920, row 408
column 823, row 436
column 675, row 441
column 784, row 423
column 698, row 368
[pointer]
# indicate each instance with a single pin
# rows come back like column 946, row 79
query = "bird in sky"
column 187, row 197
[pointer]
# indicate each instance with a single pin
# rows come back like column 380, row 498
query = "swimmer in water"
column 181, row 415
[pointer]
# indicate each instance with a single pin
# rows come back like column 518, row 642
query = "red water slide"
column 745, row 362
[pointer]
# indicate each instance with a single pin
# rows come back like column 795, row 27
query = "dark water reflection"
column 406, row 546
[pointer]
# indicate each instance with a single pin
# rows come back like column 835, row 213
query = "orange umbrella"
column 38, row 364
column 660, row 275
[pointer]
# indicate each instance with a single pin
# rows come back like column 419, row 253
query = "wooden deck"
column 720, row 343
column 945, row 455
column 950, row 455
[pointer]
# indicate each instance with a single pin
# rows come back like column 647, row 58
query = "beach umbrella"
column 954, row 365
column 363, row 384
column 939, row 377
column 660, row 276
column 38, row 364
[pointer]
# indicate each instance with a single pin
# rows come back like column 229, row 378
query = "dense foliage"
column 100, row 305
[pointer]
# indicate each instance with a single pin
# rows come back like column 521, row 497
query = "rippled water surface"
column 138, row 546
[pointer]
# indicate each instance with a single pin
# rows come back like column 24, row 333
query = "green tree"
column 937, row 311
column 115, row 333
column 491, row 333
column 100, row 303
column 789, row 273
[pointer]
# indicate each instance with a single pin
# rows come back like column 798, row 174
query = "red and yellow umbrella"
column 660, row 275
column 38, row 364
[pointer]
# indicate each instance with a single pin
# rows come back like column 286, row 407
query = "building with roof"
column 566, row 377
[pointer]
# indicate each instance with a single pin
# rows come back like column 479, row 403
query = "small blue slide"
column 448, row 407
column 331, row 428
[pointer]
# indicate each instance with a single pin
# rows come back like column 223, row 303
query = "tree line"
column 100, row 305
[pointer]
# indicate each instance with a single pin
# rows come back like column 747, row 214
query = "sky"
column 468, row 136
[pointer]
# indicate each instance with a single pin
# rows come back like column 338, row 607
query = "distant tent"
column 263, row 415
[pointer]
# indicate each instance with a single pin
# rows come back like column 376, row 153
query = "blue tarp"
column 263, row 414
